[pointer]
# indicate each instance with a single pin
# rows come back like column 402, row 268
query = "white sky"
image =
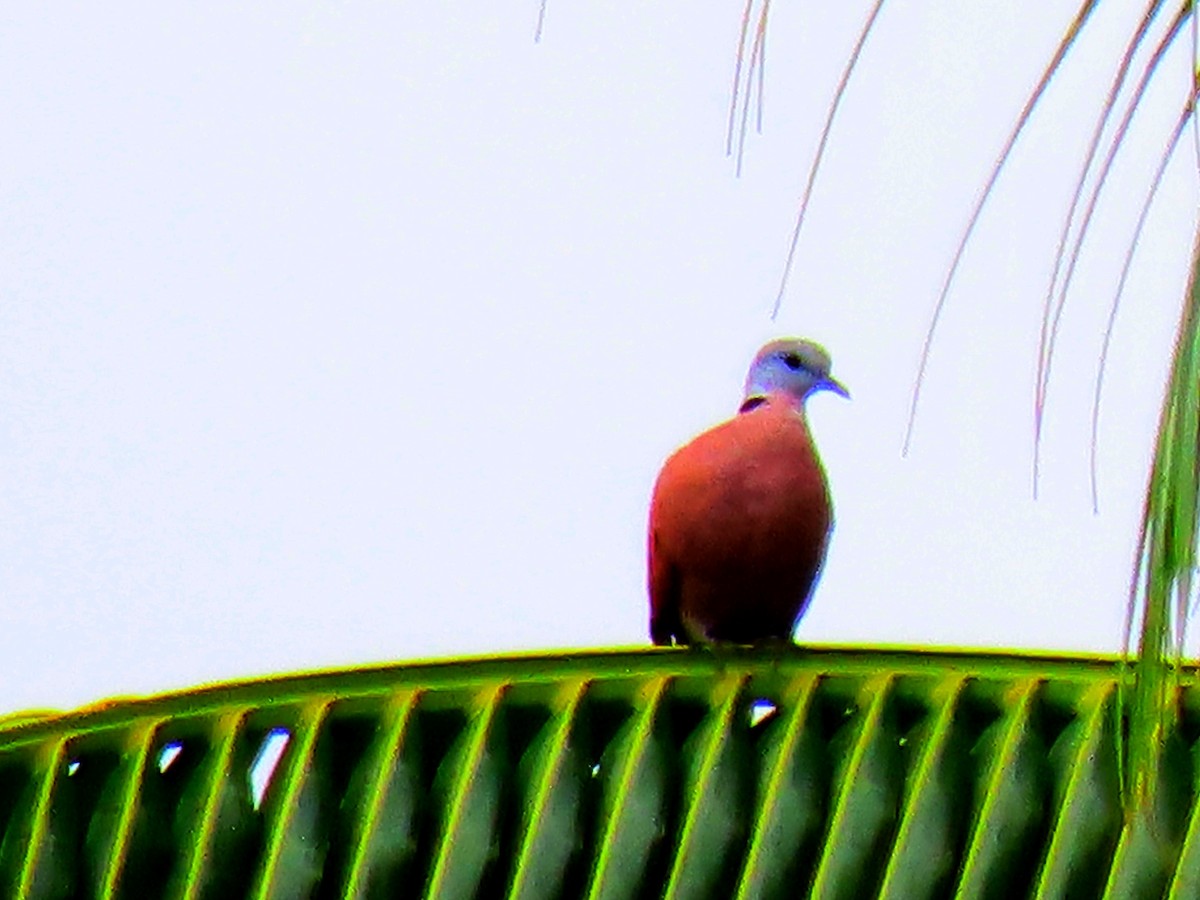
column 350, row 333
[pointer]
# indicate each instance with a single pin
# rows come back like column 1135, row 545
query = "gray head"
column 791, row 366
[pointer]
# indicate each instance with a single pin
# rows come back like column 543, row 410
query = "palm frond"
column 844, row 772
column 1162, row 586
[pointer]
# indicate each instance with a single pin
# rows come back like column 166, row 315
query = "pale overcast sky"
column 353, row 333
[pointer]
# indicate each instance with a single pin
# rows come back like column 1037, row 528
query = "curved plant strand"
column 757, row 65
column 754, row 67
column 1155, row 183
column 735, row 92
column 838, row 93
column 1110, row 103
column 1072, row 32
column 1054, row 316
column 1196, row 87
column 762, row 67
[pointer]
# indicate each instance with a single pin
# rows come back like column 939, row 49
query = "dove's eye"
column 793, row 361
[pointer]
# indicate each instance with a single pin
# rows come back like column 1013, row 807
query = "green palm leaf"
column 843, row 773
column 1167, row 554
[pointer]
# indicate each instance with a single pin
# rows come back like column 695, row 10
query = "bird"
column 740, row 517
